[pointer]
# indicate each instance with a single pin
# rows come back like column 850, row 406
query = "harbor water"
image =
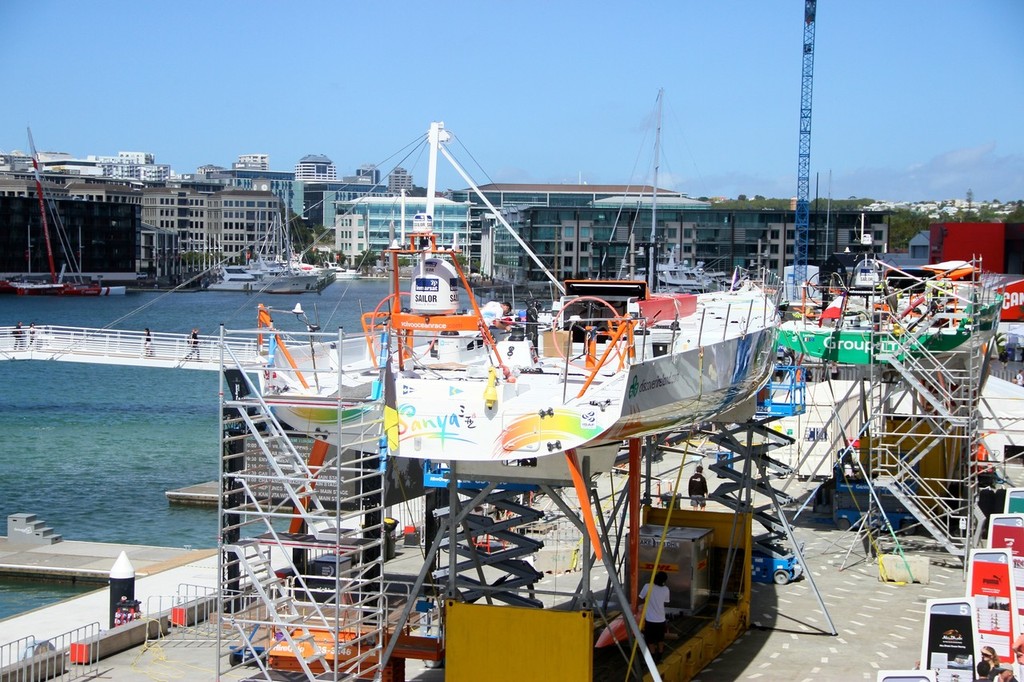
column 91, row 449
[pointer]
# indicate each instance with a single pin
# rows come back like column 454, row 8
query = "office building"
column 315, row 167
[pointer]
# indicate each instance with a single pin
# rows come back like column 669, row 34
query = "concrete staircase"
column 28, row 530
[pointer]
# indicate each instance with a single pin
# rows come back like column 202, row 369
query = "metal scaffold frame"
column 749, row 444
column 921, row 431
column 301, row 538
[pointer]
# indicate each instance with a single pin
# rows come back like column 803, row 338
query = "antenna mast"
column 652, row 275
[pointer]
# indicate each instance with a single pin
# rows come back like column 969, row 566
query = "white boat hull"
column 450, row 419
column 452, row 405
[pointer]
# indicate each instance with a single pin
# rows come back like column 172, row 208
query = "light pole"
column 312, row 329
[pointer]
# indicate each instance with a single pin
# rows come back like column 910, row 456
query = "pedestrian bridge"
column 120, row 347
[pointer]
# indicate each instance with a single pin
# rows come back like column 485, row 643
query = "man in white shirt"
column 654, row 620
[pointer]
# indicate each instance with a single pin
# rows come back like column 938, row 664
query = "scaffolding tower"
column 302, row 538
column 921, row 430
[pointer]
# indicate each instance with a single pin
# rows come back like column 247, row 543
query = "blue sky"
column 913, row 100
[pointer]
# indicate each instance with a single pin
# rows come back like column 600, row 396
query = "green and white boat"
column 891, row 314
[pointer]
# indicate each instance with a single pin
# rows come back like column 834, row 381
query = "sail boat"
column 669, row 273
column 618, row 361
column 58, row 285
column 270, row 271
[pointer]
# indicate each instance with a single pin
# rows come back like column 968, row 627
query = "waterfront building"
column 373, row 223
column 93, row 223
column 583, row 230
column 281, row 183
column 321, row 199
column 158, row 257
column 212, row 223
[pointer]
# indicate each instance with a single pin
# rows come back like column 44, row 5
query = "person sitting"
column 497, row 315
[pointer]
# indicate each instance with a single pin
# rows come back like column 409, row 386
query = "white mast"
column 435, row 137
column 652, row 274
column 435, row 145
column 657, row 160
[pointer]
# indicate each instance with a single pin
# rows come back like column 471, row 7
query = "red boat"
column 62, row 289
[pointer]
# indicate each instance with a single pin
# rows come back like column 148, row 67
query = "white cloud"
column 946, row 176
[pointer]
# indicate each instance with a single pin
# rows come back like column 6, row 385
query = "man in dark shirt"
column 698, row 489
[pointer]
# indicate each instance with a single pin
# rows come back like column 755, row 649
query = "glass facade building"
column 586, row 232
column 594, row 241
column 100, row 234
column 373, row 222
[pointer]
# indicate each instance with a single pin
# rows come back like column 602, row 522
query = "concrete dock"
column 201, row 494
column 87, row 561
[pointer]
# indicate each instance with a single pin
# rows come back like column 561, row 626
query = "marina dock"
column 201, row 494
column 88, row 561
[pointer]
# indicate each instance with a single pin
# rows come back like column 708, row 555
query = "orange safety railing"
column 623, row 331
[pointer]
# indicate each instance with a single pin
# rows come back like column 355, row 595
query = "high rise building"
column 252, row 162
column 398, row 180
column 370, row 171
column 315, row 167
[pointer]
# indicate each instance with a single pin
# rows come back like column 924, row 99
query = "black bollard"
column 122, row 586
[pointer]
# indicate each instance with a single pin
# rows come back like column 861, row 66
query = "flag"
column 834, row 310
column 271, row 350
column 390, row 409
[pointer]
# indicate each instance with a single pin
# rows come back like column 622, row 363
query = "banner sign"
column 1014, row 500
column 948, row 644
column 991, row 585
column 1007, row 531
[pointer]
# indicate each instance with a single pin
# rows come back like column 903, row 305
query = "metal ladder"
column 302, row 546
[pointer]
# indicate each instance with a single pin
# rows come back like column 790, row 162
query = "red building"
column 999, row 245
column 966, row 241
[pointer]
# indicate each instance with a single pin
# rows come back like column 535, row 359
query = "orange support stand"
column 316, row 460
column 633, row 490
column 583, row 493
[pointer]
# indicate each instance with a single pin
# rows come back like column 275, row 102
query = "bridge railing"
column 53, row 341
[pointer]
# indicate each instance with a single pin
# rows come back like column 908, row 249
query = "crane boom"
column 803, row 179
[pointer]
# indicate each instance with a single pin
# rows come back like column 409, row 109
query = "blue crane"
column 803, row 179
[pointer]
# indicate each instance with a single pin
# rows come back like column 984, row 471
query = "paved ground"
column 878, row 625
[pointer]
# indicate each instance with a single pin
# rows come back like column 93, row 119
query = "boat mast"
column 435, row 137
column 437, row 146
column 652, row 275
column 42, row 207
